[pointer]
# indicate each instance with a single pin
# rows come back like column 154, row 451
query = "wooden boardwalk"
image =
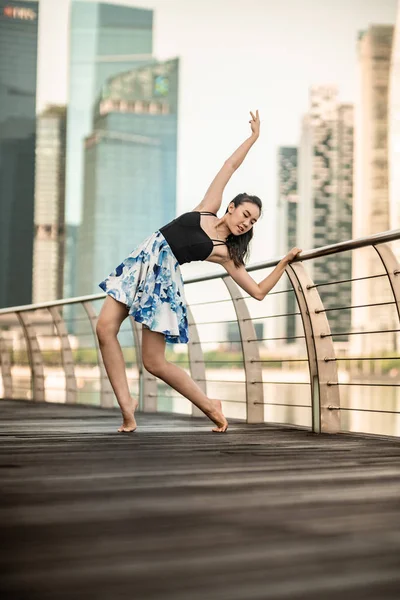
column 174, row 512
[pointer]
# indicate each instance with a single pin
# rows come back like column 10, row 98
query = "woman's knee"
column 154, row 364
column 106, row 329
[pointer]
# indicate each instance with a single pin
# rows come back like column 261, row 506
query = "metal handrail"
column 378, row 238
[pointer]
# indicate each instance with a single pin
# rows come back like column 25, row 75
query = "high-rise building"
column 394, row 129
column 325, row 197
column 130, row 168
column 105, row 39
column 18, row 58
column 49, row 242
column 287, row 232
column 371, row 197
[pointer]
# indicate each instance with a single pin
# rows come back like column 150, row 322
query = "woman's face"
column 242, row 217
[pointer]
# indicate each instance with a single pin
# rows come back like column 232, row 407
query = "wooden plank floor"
column 174, row 512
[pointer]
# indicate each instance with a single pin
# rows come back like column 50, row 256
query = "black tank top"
column 188, row 241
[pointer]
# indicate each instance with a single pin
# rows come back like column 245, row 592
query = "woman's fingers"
column 252, row 116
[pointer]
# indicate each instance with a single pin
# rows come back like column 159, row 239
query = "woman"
column 148, row 285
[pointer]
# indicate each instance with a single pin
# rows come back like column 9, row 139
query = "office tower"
column 325, row 196
column 49, row 242
column 371, row 197
column 287, row 233
column 394, row 129
column 18, row 58
column 130, row 168
column 105, row 39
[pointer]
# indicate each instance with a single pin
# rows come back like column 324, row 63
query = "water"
column 287, row 402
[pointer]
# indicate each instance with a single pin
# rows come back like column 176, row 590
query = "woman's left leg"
column 153, row 354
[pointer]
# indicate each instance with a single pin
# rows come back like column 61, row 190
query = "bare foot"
column 129, row 422
column 218, row 418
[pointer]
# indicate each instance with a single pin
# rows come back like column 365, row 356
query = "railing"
column 287, row 366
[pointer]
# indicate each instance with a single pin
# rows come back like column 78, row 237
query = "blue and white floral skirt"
column 149, row 282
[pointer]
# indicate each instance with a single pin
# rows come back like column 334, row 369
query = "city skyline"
column 213, row 124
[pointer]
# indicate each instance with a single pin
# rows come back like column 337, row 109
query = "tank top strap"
column 220, row 242
column 208, row 213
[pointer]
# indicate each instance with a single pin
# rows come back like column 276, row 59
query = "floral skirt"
column 149, row 282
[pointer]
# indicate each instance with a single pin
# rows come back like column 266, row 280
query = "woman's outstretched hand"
column 291, row 255
column 255, row 124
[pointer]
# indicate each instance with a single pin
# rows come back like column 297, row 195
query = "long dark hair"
column 238, row 245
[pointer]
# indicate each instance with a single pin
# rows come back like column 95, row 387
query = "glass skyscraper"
column 287, row 231
column 18, row 58
column 371, row 209
column 105, row 39
column 325, row 187
column 130, row 168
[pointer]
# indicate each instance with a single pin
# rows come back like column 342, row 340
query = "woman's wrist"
column 284, row 262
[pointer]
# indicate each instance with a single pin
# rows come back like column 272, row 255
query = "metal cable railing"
column 260, row 350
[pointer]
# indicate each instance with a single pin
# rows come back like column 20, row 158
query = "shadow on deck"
column 175, row 512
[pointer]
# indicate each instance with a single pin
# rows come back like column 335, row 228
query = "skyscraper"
column 105, row 39
column 371, row 197
column 394, row 128
column 325, row 196
column 130, row 168
column 18, row 58
column 49, row 242
column 287, row 231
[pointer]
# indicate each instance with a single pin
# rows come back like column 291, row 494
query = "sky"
column 236, row 56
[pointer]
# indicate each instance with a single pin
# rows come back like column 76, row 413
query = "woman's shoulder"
column 191, row 216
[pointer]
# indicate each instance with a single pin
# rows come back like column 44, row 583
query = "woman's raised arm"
column 213, row 198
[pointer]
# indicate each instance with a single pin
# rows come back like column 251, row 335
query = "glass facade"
column 48, row 261
column 105, row 39
column 18, row 58
column 287, row 227
column 130, row 169
column 326, row 197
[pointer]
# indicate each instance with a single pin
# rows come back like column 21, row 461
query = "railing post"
column 35, row 357
column 325, row 398
column 66, row 355
column 196, row 361
column 251, row 355
column 106, row 391
column 5, row 365
column 147, row 381
column 392, row 268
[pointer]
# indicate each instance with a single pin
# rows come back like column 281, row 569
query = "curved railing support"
column 147, row 381
column 106, row 391
column 196, row 361
column 325, row 397
column 392, row 268
column 66, row 355
column 5, row 365
column 34, row 355
column 251, row 355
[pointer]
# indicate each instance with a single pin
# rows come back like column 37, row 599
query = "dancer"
column 148, row 285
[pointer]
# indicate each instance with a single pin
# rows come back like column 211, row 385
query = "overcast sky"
column 236, row 56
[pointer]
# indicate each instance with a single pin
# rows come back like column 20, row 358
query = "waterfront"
column 285, row 402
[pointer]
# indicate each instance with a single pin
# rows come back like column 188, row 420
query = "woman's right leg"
column 153, row 354
column 112, row 314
